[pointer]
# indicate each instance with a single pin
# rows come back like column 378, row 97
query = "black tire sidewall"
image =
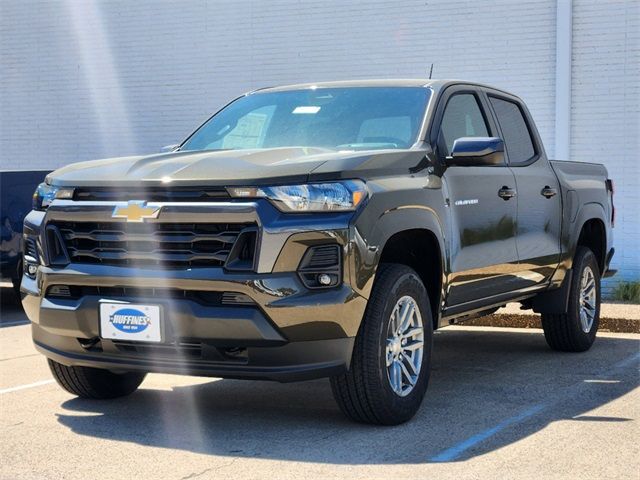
column 95, row 383
column 403, row 281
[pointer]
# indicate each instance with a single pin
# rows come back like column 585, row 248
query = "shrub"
column 627, row 292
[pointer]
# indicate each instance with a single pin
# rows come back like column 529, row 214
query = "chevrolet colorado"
column 313, row 231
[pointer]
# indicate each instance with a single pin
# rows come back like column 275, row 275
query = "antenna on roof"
column 431, row 71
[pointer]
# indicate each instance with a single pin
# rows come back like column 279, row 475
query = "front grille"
column 151, row 194
column 173, row 245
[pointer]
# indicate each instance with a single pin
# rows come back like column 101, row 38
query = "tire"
column 365, row 393
column 567, row 332
column 95, row 383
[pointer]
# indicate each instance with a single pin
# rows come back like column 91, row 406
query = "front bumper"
column 294, row 361
column 286, row 332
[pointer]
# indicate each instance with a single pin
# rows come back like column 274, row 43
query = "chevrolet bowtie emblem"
column 135, row 211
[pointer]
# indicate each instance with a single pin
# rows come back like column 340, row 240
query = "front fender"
column 369, row 243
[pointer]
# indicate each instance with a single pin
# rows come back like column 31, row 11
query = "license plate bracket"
column 132, row 322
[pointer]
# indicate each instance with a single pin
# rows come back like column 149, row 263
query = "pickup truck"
column 316, row 230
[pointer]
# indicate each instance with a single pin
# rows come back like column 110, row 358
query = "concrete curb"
column 614, row 317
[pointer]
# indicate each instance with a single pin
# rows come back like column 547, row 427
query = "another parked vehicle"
column 312, row 231
column 16, row 188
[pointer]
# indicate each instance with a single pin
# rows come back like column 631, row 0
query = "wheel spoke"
column 408, row 361
column 411, row 380
column 415, row 345
column 389, row 353
column 394, row 319
column 584, row 320
column 589, row 288
column 405, row 317
column 412, row 333
column 408, row 321
column 397, row 377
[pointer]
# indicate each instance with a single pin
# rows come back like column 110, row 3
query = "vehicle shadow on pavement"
column 488, row 389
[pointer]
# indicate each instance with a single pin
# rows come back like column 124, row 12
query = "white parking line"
column 24, row 387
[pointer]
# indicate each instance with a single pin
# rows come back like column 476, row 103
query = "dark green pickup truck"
column 312, row 231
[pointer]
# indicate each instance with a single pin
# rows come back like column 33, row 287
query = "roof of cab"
column 405, row 82
column 397, row 82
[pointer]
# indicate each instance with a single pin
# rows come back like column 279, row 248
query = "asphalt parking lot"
column 500, row 405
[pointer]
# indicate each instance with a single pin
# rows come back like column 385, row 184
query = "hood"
column 232, row 167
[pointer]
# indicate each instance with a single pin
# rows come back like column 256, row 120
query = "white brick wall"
column 88, row 79
column 606, row 111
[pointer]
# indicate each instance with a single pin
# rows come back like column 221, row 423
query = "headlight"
column 45, row 194
column 311, row 197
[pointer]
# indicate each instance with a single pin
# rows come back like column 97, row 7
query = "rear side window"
column 462, row 118
column 517, row 138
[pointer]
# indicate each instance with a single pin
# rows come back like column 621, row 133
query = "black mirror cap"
column 477, row 151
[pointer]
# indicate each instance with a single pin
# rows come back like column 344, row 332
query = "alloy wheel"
column 587, row 299
column 405, row 346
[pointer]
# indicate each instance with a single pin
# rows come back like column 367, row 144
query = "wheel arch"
column 593, row 236
column 590, row 231
column 412, row 236
column 419, row 249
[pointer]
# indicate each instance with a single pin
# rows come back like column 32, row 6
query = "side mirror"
column 169, row 148
column 476, row 151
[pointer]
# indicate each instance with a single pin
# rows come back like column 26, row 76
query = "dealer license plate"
column 138, row 323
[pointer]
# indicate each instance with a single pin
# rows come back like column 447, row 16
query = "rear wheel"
column 575, row 330
column 392, row 354
column 95, row 383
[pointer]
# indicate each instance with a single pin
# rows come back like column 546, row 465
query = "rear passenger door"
column 538, row 191
column 481, row 240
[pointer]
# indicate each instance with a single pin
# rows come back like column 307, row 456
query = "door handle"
column 506, row 193
column 548, row 192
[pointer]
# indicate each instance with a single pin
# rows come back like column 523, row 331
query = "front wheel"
column 575, row 330
column 392, row 353
column 95, row 383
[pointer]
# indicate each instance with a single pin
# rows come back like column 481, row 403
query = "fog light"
column 324, row 279
column 32, row 269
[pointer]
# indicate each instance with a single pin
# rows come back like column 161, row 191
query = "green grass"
column 627, row 292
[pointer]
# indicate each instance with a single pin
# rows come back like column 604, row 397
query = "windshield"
column 353, row 118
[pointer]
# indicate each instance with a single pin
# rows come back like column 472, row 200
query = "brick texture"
column 88, row 79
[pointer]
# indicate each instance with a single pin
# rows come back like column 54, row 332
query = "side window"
column 517, row 138
column 462, row 118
